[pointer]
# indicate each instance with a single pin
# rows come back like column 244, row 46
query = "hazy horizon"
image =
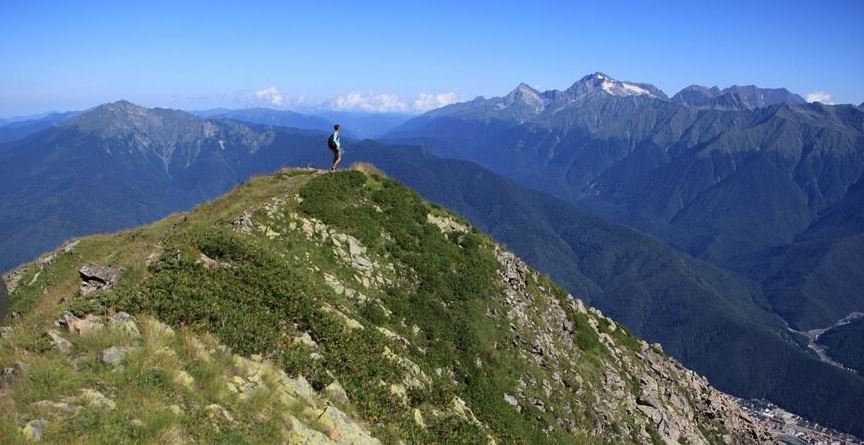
column 391, row 57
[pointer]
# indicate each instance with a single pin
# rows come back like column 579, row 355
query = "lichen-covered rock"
column 114, row 355
column 95, row 399
column 59, row 343
column 95, row 277
column 124, row 323
column 671, row 402
column 243, row 224
column 336, row 393
column 34, row 430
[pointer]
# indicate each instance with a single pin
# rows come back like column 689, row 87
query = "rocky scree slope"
column 337, row 308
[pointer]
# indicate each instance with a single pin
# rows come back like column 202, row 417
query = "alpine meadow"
column 296, row 223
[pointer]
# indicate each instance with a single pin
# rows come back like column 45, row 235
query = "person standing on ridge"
column 335, row 146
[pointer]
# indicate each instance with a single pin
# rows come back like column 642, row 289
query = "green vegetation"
column 170, row 388
column 712, row 320
column 346, row 280
column 845, row 344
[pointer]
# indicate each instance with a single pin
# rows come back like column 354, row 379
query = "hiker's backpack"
column 331, row 142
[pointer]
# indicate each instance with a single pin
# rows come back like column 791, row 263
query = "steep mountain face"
column 338, row 308
column 525, row 104
column 735, row 97
column 714, row 321
column 723, row 185
column 845, row 344
column 120, row 165
column 628, row 275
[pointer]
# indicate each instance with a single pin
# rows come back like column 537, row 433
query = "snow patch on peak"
column 617, row 88
column 635, row 89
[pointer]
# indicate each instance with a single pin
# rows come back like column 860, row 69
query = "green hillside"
column 338, row 308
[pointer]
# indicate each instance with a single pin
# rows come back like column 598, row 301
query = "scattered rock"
column 418, row 418
column 63, row 408
column 398, row 390
column 446, row 224
column 300, row 433
column 96, row 399
column 336, row 393
column 5, row 331
column 343, row 429
column 114, row 355
column 243, row 223
column 12, row 278
column 461, row 409
column 160, row 328
column 210, row 263
column 184, row 379
column 347, row 321
column 513, row 402
column 304, row 340
column 34, row 430
column 60, row 343
column 176, row 410
column 70, row 246
column 125, row 323
column 216, row 411
column 334, row 284
column 95, row 278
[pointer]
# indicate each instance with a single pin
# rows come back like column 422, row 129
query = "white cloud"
column 426, row 101
column 369, row 102
column 271, row 96
column 391, row 103
column 820, row 96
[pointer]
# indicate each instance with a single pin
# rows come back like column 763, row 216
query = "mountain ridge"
column 460, row 344
column 718, row 184
column 290, row 146
column 735, row 97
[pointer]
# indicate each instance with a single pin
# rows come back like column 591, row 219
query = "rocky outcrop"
column 95, row 278
column 235, row 384
column 421, row 359
column 666, row 400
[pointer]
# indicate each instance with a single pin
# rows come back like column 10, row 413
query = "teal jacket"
column 335, row 138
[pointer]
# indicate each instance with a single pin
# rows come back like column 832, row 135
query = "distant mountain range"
column 19, row 129
column 743, row 177
column 269, row 116
column 736, row 97
column 359, row 125
column 355, row 124
column 120, row 165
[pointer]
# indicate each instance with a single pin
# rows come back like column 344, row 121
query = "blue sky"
column 410, row 55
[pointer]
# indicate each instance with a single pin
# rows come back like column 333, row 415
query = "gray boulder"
column 95, row 277
column 114, row 355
